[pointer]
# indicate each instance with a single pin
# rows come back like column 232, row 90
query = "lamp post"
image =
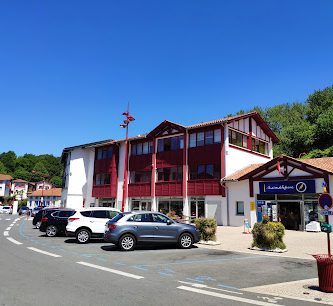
column 126, row 122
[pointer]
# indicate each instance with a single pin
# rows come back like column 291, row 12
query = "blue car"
column 128, row 229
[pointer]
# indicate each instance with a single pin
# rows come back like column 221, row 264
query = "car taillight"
column 73, row 219
column 112, row 226
column 44, row 219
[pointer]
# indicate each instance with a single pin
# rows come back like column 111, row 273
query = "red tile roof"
column 324, row 163
column 238, row 174
column 53, row 192
column 5, row 177
column 19, row 181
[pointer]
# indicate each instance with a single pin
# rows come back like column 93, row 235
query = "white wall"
column 122, row 147
column 80, row 165
column 239, row 191
column 214, row 208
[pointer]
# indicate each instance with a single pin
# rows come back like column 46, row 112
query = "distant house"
column 5, row 184
column 43, row 185
column 19, row 189
column 50, row 197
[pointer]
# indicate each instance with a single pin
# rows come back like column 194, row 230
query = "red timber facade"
column 105, row 180
column 180, row 169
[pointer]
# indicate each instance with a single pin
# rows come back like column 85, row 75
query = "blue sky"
column 69, row 68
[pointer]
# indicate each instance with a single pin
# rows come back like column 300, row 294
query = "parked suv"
column 89, row 223
column 127, row 229
column 55, row 221
column 37, row 220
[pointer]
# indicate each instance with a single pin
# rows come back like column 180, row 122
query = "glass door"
column 197, row 208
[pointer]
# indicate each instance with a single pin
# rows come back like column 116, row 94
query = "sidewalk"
column 299, row 244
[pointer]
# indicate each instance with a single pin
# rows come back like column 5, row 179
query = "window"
column 101, row 214
column 209, row 171
column 209, row 137
column 237, row 139
column 102, row 179
column 140, row 177
column 160, row 218
column 170, row 143
column 240, row 208
column 141, row 218
column 217, row 136
column 193, row 140
column 200, row 139
column 205, row 138
column 104, row 153
column 66, row 213
column 111, row 214
column 260, row 146
column 86, row 213
column 142, row 148
column 170, row 174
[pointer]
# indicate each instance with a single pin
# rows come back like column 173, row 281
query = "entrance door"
column 290, row 215
column 197, row 208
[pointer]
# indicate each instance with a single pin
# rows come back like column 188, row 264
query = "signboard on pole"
column 325, row 201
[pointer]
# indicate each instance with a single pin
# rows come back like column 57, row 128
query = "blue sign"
column 287, row 187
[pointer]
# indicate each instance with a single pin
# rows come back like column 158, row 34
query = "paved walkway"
column 299, row 244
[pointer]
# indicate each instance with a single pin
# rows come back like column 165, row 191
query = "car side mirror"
column 169, row 222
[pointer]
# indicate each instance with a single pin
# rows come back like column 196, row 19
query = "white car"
column 6, row 210
column 89, row 223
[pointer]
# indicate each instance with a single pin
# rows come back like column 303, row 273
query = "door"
column 290, row 215
column 145, row 205
column 143, row 226
column 165, row 232
column 98, row 220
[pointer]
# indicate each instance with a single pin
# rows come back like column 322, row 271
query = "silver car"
column 127, row 229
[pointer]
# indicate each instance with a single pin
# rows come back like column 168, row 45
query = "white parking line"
column 7, row 219
column 8, row 228
column 5, row 233
column 43, row 252
column 226, row 297
column 14, row 241
column 196, row 285
column 110, row 270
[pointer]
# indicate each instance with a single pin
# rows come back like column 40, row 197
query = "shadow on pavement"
column 92, row 241
column 154, row 247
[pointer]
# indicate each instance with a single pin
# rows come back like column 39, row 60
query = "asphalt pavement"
column 36, row 269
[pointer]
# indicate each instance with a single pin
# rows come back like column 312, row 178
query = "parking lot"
column 98, row 271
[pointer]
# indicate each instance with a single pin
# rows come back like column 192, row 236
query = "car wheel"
column 127, row 242
column 51, row 231
column 38, row 224
column 83, row 235
column 185, row 241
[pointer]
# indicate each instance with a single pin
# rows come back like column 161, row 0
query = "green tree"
column 23, row 174
column 39, row 172
column 318, row 103
column 56, row 181
column 324, row 129
column 9, row 160
column 3, row 169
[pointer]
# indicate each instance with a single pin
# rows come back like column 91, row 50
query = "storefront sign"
column 326, row 212
column 287, row 187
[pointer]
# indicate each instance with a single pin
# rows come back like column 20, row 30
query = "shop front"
column 140, row 204
column 106, row 202
column 294, row 203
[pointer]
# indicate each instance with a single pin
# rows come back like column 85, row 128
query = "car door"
column 98, row 219
column 166, row 230
column 143, row 226
column 62, row 218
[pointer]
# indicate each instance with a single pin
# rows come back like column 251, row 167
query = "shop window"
column 169, row 174
column 240, row 208
column 170, row 144
column 172, row 208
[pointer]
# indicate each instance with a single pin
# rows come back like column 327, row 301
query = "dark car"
column 54, row 222
column 35, row 210
column 127, row 229
column 37, row 220
column 23, row 210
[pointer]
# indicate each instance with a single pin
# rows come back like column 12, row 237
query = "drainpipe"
column 223, row 184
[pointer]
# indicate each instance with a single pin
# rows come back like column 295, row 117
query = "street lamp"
column 126, row 122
